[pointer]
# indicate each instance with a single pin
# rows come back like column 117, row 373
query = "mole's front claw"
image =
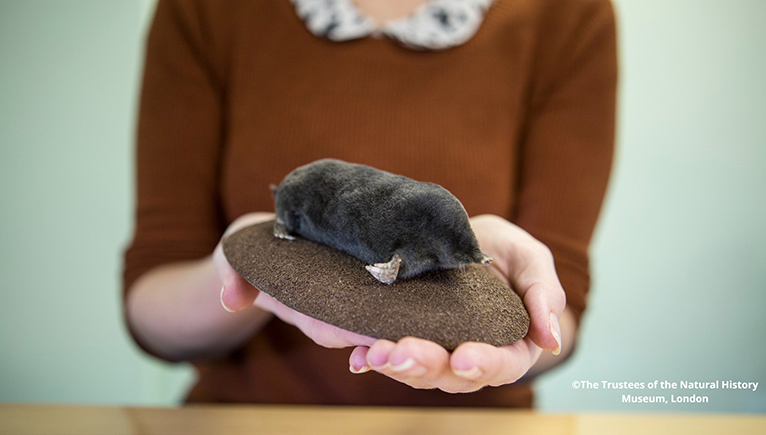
column 385, row 272
column 280, row 231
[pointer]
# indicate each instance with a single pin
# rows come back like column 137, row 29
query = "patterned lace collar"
column 436, row 25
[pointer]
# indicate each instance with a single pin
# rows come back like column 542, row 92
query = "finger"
column 532, row 263
column 424, row 364
column 330, row 336
column 378, row 359
column 545, row 304
column 417, row 357
column 357, row 361
column 536, row 281
column 237, row 294
column 490, row 365
column 377, row 354
column 321, row 333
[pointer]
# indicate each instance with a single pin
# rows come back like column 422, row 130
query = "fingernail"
column 556, row 332
column 406, row 365
column 472, row 373
column 222, row 303
column 360, row 370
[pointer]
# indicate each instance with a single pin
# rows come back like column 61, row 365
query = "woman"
column 507, row 104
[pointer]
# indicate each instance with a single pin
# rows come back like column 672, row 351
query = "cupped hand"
column 238, row 295
column 519, row 260
column 527, row 266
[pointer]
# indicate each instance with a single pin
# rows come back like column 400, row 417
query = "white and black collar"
column 435, row 25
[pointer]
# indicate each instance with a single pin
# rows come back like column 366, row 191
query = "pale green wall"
column 679, row 274
column 679, row 283
column 68, row 80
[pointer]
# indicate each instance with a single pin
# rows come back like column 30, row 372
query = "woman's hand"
column 527, row 266
column 237, row 295
column 519, row 260
column 173, row 309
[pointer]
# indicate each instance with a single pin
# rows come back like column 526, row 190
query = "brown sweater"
column 518, row 122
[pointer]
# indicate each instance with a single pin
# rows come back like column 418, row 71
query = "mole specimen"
column 398, row 226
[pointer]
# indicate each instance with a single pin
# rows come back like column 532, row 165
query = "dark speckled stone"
column 448, row 307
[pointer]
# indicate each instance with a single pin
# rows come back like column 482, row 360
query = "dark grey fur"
column 373, row 215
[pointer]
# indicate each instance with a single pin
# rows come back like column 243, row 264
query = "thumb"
column 545, row 303
column 237, row 294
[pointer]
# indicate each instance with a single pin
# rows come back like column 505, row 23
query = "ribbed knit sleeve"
column 568, row 141
column 179, row 139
